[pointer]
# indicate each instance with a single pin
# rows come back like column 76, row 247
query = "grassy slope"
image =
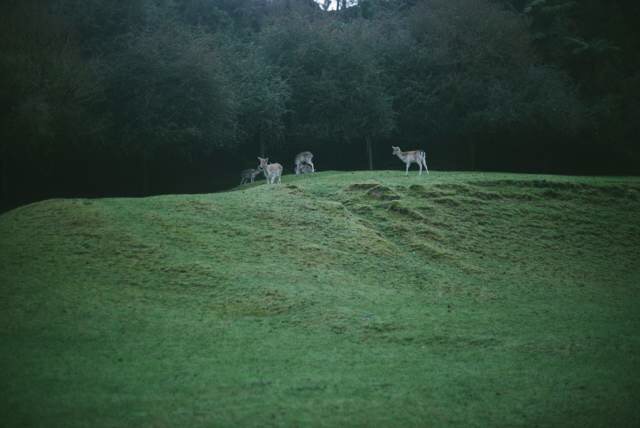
column 339, row 298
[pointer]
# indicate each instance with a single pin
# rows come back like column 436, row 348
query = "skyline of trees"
column 155, row 96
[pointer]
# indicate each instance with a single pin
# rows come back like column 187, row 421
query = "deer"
column 414, row 156
column 305, row 169
column 248, row 175
column 272, row 171
column 303, row 158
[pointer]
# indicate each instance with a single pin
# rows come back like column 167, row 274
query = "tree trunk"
column 263, row 145
column 145, row 173
column 4, row 165
column 370, row 152
column 472, row 154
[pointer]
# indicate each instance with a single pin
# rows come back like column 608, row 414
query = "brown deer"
column 272, row 171
column 248, row 175
column 303, row 158
column 414, row 156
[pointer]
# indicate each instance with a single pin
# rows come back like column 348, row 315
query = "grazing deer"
column 248, row 175
column 414, row 156
column 305, row 169
column 272, row 171
column 303, row 158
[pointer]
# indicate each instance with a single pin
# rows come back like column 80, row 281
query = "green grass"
column 337, row 299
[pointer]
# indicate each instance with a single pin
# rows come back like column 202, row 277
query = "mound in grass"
column 332, row 299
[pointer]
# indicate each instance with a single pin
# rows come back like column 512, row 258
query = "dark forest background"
column 139, row 97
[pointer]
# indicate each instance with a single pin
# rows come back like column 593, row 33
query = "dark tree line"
column 152, row 96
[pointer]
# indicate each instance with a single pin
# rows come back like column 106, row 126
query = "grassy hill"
column 366, row 298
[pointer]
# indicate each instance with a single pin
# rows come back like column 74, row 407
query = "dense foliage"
column 153, row 96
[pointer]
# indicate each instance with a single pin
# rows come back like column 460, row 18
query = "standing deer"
column 272, row 171
column 248, row 175
column 414, row 156
column 303, row 158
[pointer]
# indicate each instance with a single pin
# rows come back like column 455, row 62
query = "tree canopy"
column 152, row 96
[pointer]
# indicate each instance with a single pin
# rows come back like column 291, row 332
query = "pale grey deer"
column 249, row 175
column 272, row 171
column 414, row 156
column 303, row 158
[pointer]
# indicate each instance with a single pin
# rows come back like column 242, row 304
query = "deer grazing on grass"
column 305, row 169
column 304, row 158
column 248, row 175
column 414, row 156
column 272, row 171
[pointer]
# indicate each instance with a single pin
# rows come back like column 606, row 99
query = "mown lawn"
column 337, row 299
